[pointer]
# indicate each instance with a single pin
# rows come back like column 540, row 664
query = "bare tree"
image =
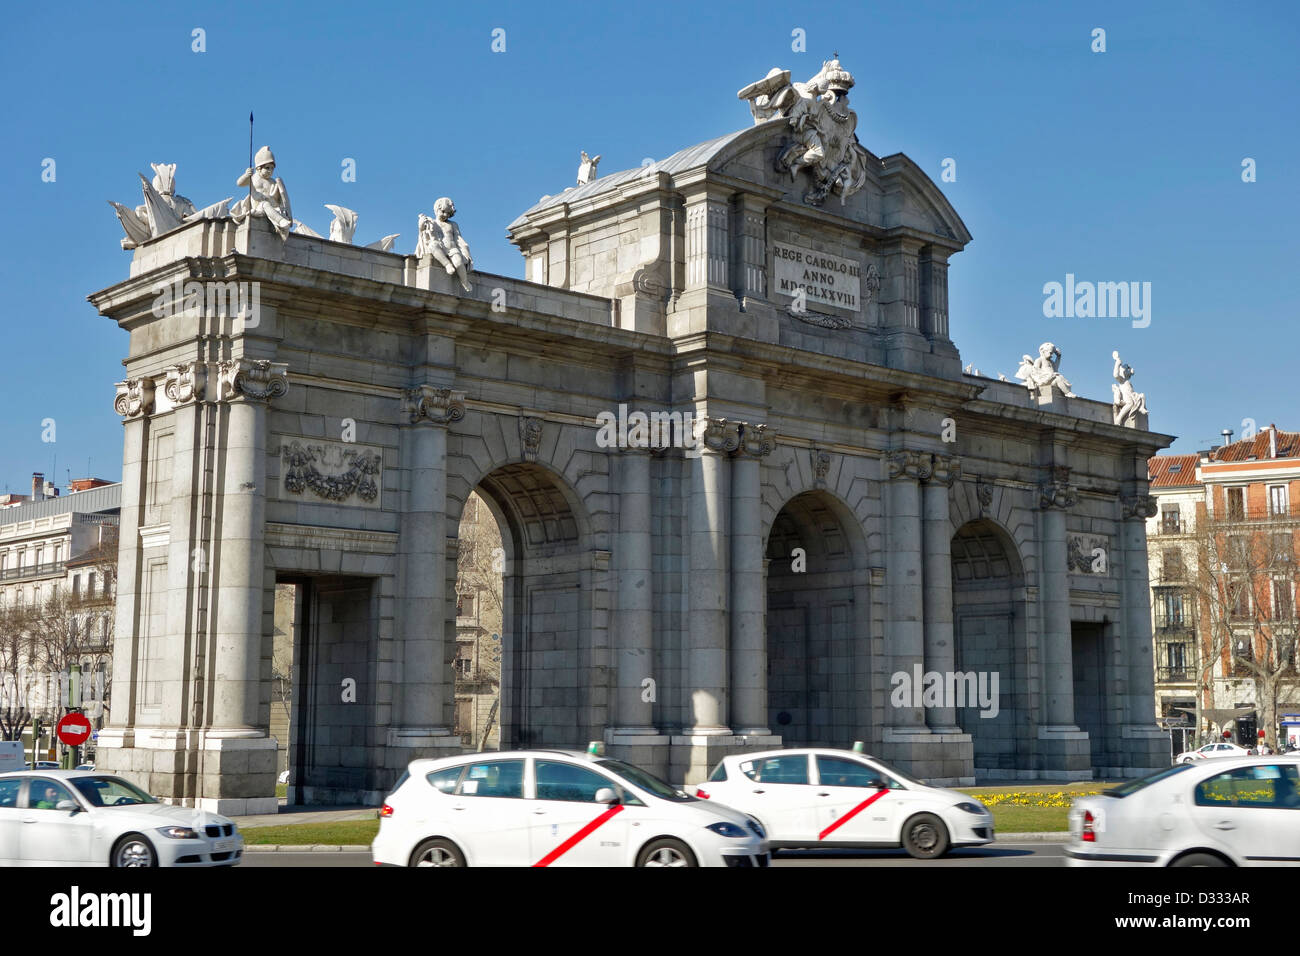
column 18, row 674
column 1245, row 587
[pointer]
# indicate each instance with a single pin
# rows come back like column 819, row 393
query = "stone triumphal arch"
column 831, row 511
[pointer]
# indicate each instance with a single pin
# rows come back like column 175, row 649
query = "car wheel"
column 925, row 837
column 1199, row 859
column 666, row 852
column 1189, row 760
column 437, row 852
column 134, row 850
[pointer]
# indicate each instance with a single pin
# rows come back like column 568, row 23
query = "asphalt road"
column 1002, row 854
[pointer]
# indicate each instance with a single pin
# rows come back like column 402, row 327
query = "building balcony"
column 1175, row 675
column 49, row 569
column 1172, row 622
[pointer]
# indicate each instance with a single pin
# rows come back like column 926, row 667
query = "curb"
column 305, row 848
column 1060, row 836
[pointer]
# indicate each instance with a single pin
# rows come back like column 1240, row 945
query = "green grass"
column 282, row 790
column 1041, row 808
column 342, row 833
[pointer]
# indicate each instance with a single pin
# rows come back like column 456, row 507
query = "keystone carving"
column 530, row 436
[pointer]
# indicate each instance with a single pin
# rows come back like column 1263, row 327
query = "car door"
column 1254, row 810
column 569, row 828
column 488, row 812
column 778, row 790
column 852, row 802
column 11, row 820
column 49, row 836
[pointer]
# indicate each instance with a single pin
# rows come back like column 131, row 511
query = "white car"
column 71, row 818
column 841, row 798
column 555, row 808
column 1229, row 812
column 1217, row 749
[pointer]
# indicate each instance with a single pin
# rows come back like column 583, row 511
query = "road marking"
column 578, row 837
column 852, row 813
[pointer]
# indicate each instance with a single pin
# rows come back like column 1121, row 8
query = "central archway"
column 817, row 624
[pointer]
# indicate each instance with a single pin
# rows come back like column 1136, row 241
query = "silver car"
column 80, row 818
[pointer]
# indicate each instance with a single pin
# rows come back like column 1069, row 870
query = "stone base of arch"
column 942, row 760
column 693, row 757
column 1064, row 753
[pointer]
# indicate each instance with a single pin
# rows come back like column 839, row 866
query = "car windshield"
column 646, row 781
column 898, row 774
column 110, row 792
column 1133, row 786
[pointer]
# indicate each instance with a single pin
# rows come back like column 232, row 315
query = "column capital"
column 254, row 380
column 134, row 397
column 438, row 406
column 721, row 435
column 1057, row 492
column 755, row 441
column 185, row 382
column 915, row 465
column 946, row 469
column 1139, row 507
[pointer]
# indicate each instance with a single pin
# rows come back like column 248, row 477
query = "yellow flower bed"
column 1021, row 799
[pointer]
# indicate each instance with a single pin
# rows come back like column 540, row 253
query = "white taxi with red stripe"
column 555, row 808
column 821, row 797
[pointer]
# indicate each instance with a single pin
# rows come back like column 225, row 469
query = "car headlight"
column 977, row 808
column 178, row 833
column 727, row 830
column 757, row 828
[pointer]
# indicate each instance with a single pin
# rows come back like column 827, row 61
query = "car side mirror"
column 606, row 795
column 70, row 805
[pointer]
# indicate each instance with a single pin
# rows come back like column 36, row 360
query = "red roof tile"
column 1288, row 446
column 1172, row 471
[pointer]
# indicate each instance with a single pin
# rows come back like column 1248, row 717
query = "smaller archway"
column 989, row 627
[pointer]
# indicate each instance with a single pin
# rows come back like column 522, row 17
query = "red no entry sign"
column 73, row 729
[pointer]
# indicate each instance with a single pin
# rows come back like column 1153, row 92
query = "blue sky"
column 1115, row 166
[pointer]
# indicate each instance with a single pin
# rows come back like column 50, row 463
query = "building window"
column 1281, row 598
column 1236, row 504
column 1171, row 564
column 1277, row 500
column 1239, row 597
column 1283, row 548
column 1175, row 662
column 1170, row 520
column 464, row 605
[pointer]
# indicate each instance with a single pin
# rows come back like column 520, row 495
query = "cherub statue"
column 268, row 196
column 441, row 238
column 1044, row 372
column 587, row 168
column 1129, row 404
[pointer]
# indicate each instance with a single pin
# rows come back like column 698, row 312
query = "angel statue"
column 267, row 196
column 441, row 238
column 587, row 168
column 1129, row 404
column 1044, row 371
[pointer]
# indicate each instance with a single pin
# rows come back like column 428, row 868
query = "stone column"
column 1056, row 496
column 134, row 402
column 246, row 386
column 707, row 657
column 1143, row 742
column 184, row 387
column 748, row 592
column 634, row 621
column 423, row 699
column 940, row 652
column 905, row 632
